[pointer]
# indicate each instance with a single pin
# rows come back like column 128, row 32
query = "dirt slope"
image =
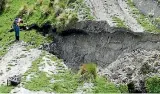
column 106, row 9
column 17, row 61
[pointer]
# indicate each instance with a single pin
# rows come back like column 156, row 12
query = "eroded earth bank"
column 122, row 55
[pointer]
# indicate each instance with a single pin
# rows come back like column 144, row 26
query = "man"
column 16, row 24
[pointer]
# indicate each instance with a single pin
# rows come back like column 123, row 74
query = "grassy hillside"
column 60, row 13
column 147, row 21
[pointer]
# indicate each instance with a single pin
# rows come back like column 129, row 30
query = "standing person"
column 16, row 27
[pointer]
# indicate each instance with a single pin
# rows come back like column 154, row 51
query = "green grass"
column 33, row 38
column 38, row 12
column 35, row 65
column 153, row 84
column 38, row 83
column 104, row 86
column 34, row 14
column 119, row 22
column 5, row 89
column 7, row 38
column 156, row 21
column 123, row 88
column 142, row 19
column 65, row 82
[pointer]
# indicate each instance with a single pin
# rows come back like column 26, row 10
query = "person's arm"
column 19, row 21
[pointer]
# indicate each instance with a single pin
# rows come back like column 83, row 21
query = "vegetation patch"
column 142, row 19
column 88, row 72
column 123, row 88
column 156, row 21
column 5, row 89
column 39, row 82
column 153, row 84
column 104, row 86
column 119, row 22
column 34, row 67
column 62, row 82
column 66, row 82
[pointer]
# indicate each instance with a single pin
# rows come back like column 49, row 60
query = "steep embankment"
column 123, row 55
column 116, row 50
column 101, row 43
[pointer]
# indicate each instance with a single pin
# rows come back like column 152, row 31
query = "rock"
column 124, row 80
column 129, row 70
column 146, row 68
column 115, row 76
column 14, row 81
column 23, row 56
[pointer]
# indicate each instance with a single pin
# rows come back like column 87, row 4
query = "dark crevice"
column 73, row 32
column 133, row 89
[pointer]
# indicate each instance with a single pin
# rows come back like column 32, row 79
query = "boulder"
column 14, row 81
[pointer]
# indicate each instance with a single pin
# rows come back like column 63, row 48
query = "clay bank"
column 122, row 55
column 96, row 41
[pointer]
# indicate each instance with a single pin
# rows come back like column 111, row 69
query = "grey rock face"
column 101, row 44
column 135, row 67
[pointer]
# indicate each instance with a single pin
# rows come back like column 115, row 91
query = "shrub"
column 23, row 11
column 123, row 88
column 45, row 11
column 2, row 5
column 88, row 72
column 153, row 84
column 58, row 10
column 30, row 10
column 39, row 2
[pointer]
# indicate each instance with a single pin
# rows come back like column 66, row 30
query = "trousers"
column 16, row 29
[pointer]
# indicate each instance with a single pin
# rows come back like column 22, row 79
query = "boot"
column 17, row 38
